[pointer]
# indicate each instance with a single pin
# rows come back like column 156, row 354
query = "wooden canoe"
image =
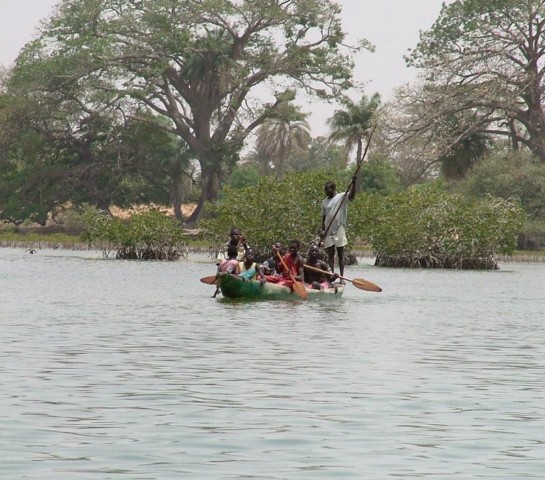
column 232, row 286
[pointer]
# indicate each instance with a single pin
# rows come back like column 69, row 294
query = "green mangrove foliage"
column 430, row 228
column 273, row 210
column 420, row 227
column 517, row 175
column 145, row 236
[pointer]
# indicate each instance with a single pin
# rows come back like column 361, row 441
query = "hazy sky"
column 392, row 25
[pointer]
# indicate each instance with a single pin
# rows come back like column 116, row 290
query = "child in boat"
column 238, row 240
column 318, row 280
column 294, row 263
column 230, row 264
column 249, row 269
column 271, row 266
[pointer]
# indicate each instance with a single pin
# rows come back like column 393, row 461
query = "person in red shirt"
column 295, row 263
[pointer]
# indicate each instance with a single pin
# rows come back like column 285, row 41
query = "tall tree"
column 260, row 160
column 164, row 163
column 52, row 151
column 353, row 125
column 200, row 63
column 281, row 135
column 486, row 58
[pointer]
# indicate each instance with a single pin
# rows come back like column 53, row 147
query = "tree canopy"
column 353, row 125
column 205, row 66
column 483, row 63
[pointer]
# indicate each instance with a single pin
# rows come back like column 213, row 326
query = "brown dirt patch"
column 187, row 210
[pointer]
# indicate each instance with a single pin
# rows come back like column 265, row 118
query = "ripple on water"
column 131, row 370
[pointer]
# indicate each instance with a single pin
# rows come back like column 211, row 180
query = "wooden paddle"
column 357, row 282
column 298, row 287
column 211, row 280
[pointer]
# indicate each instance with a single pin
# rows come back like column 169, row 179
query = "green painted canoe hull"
column 232, row 286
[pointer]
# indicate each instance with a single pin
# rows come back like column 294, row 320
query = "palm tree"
column 260, row 159
column 278, row 137
column 464, row 151
column 354, row 124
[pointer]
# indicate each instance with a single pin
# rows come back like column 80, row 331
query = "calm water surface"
column 128, row 370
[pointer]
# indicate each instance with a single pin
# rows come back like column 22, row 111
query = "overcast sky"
column 392, row 25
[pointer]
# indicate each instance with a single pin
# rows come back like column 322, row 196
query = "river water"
column 130, row 370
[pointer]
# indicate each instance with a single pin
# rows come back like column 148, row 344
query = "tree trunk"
column 536, row 115
column 537, row 140
column 177, row 198
column 211, row 181
column 103, row 204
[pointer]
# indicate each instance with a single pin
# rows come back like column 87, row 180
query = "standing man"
column 334, row 210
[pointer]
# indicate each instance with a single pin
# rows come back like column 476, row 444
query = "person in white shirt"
column 334, row 212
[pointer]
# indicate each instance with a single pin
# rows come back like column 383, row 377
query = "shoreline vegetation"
column 65, row 241
column 68, row 235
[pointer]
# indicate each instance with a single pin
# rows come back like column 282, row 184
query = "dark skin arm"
column 261, row 274
column 300, row 263
column 331, row 277
column 244, row 243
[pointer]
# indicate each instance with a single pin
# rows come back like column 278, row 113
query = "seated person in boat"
column 230, row 264
column 239, row 241
column 249, row 269
column 271, row 265
column 318, row 280
column 294, row 263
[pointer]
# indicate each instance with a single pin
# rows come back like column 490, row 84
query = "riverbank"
column 34, row 242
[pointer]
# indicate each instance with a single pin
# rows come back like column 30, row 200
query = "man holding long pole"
column 334, row 212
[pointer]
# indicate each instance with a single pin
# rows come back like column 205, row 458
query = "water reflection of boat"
column 232, row 286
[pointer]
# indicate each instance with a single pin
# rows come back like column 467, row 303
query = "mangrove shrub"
column 145, row 236
column 420, row 227
column 426, row 227
column 516, row 175
column 273, row 210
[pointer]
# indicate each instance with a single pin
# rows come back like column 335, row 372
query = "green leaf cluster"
column 510, row 175
column 434, row 228
column 145, row 236
column 203, row 66
column 517, row 175
column 273, row 210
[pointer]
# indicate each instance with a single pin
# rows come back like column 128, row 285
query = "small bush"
column 145, row 236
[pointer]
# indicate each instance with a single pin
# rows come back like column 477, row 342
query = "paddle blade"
column 366, row 285
column 300, row 290
column 211, row 280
